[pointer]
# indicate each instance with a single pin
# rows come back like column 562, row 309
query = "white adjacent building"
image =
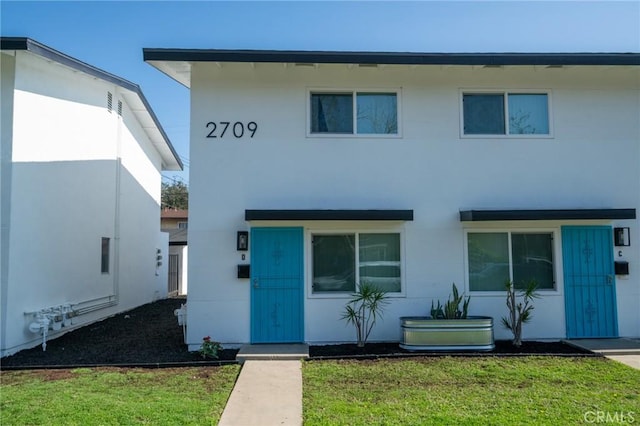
column 413, row 171
column 82, row 153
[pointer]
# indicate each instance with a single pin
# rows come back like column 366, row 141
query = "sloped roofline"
column 30, row 45
column 389, row 58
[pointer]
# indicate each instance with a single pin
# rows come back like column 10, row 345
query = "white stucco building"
column 412, row 170
column 82, row 153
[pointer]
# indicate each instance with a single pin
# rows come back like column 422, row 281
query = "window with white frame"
column 342, row 260
column 505, row 113
column 353, row 113
column 497, row 257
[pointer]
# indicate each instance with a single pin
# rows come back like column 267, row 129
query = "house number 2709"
column 238, row 129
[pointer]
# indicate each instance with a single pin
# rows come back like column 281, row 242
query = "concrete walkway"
column 624, row 350
column 269, row 388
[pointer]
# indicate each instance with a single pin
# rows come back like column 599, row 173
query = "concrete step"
column 280, row 352
column 624, row 350
column 614, row 346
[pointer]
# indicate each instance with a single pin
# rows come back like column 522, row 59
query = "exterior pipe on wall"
column 57, row 317
column 116, row 225
column 181, row 314
column 41, row 326
column 52, row 318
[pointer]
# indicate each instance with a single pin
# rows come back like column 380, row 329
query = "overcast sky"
column 111, row 34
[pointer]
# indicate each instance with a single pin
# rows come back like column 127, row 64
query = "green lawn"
column 418, row 391
column 470, row 391
column 185, row 396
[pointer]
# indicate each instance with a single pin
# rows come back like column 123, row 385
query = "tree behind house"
column 175, row 196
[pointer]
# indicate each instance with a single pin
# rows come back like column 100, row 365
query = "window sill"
column 347, row 296
column 354, row 136
column 507, row 136
column 503, row 293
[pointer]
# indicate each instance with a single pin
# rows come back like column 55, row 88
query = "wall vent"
column 120, row 108
column 109, row 102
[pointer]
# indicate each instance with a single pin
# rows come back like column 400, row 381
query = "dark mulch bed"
column 150, row 335
column 503, row 347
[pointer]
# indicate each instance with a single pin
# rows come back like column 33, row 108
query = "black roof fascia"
column 396, row 215
column 389, row 58
column 575, row 214
column 25, row 43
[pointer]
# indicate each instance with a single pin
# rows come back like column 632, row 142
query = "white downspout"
column 116, row 225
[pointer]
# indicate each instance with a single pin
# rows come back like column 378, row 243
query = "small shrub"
column 209, row 348
column 519, row 312
column 451, row 309
column 364, row 308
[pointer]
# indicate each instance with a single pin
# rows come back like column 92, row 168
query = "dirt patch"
column 52, row 375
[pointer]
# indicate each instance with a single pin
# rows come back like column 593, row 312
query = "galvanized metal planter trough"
column 474, row 333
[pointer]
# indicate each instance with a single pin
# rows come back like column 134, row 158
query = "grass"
column 469, row 391
column 433, row 391
column 186, row 396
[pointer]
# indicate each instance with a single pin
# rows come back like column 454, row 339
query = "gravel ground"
column 150, row 334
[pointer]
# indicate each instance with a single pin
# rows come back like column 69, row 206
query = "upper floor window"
column 183, row 225
column 354, row 113
column 505, row 113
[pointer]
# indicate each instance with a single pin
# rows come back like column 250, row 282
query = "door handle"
column 255, row 283
column 609, row 279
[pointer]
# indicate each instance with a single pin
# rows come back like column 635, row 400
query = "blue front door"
column 589, row 281
column 276, row 285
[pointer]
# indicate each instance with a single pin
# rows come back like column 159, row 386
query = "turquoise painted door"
column 276, row 285
column 589, row 281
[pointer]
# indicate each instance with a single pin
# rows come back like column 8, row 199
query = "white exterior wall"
column 7, row 76
column 79, row 173
column 139, row 204
column 591, row 161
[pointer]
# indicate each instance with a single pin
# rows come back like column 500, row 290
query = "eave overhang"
column 176, row 63
column 388, row 58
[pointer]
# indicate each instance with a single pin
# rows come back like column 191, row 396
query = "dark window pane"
column 104, row 256
column 331, row 113
column 483, row 114
column 532, row 260
column 380, row 261
column 334, row 259
column 488, row 261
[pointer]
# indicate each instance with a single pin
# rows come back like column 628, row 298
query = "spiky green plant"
column 436, row 312
column 451, row 309
column 519, row 312
column 363, row 310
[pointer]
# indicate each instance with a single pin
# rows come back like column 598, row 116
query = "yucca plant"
column 519, row 312
column 451, row 309
column 363, row 310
